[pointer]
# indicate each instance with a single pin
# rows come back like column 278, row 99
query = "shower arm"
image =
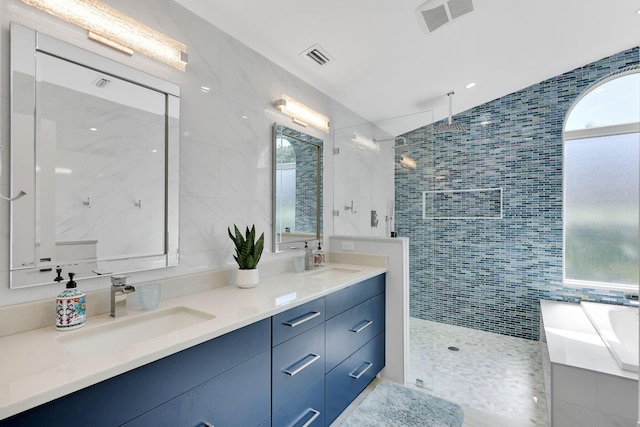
column 450, row 95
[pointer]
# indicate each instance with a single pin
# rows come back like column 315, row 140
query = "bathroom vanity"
column 297, row 349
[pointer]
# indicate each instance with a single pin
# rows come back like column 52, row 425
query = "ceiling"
column 390, row 71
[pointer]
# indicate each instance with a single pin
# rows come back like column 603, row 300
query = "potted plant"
column 248, row 252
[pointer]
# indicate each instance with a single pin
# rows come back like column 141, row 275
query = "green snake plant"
column 248, row 250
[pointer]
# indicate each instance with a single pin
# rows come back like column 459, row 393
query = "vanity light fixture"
column 112, row 28
column 407, row 162
column 301, row 114
column 365, row 143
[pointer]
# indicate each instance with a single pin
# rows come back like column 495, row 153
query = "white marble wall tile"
column 199, row 169
column 574, row 385
column 617, row 396
column 225, row 160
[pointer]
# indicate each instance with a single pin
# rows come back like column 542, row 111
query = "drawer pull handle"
column 315, row 414
column 365, row 324
column 357, row 376
column 292, row 370
column 302, row 319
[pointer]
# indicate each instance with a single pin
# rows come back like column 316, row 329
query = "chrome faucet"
column 119, row 291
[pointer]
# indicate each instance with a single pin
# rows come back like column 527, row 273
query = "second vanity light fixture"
column 302, row 114
column 365, row 143
column 112, row 28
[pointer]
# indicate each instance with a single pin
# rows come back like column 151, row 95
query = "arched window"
column 601, row 185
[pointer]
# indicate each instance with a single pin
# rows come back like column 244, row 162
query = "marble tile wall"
column 489, row 274
column 364, row 179
column 225, row 155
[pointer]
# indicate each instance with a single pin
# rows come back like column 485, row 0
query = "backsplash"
column 489, row 274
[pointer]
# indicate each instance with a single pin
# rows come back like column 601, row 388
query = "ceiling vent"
column 101, row 82
column 317, row 55
column 433, row 14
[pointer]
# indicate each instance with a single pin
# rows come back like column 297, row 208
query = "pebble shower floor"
column 496, row 379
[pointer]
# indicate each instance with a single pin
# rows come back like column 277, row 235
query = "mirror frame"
column 319, row 144
column 25, row 42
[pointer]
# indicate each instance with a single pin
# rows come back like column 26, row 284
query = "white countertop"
column 36, row 368
column 572, row 340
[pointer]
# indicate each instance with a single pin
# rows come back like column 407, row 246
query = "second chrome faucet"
column 119, row 291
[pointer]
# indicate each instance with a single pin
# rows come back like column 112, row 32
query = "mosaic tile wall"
column 307, row 176
column 489, row 274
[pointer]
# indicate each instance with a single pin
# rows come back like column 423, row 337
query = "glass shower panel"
column 415, row 173
column 363, row 194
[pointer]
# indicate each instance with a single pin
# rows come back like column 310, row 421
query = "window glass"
column 614, row 102
column 601, row 209
column 601, row 185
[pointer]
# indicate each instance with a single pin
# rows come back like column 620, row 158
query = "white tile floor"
column 497, row 380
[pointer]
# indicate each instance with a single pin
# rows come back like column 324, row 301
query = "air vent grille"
column 317, row 55
column 458, row 8
column 435, row 18
column 101, row 82
column 433, row 14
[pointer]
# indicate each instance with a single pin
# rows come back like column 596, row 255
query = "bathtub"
column 618, row 327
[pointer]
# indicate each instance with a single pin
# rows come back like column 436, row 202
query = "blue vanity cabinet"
column 354, row 342
column 298, row 361
column 229, row 364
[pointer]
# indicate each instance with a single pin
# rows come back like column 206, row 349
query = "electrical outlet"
column 348, row 246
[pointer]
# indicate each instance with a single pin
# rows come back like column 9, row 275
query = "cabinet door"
column 348, row 331
column 346, row 298
column 347, row 381
column 240, row 397
column 297, row 364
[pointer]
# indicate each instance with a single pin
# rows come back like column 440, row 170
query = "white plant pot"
column 247, row 278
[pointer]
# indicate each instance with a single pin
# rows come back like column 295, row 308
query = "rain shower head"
column 450, row 127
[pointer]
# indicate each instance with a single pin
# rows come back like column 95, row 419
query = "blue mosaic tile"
column 489, row 274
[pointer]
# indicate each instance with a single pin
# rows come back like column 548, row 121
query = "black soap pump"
column 319, row 258
column 71, row 307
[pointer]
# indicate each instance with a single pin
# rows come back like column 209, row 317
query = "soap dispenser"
column 319, row 258
column 71, row 306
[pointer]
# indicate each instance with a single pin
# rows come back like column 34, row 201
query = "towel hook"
column 20, row 195
column 350, row 208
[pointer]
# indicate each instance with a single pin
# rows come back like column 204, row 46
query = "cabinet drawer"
column 348, row 380
column 297, row 320
column 239, row 397
column 305, row 410
column 296, row 365
column 346, row 298
column 348, row 331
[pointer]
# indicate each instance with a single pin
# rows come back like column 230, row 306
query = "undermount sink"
column 129, row 331
column 329, row 273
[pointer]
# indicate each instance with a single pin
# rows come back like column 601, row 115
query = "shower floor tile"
column 496, row 379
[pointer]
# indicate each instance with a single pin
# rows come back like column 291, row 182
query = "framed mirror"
column 297, row 188
column 95, row 147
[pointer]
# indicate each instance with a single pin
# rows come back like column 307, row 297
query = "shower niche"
column 462, row 204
